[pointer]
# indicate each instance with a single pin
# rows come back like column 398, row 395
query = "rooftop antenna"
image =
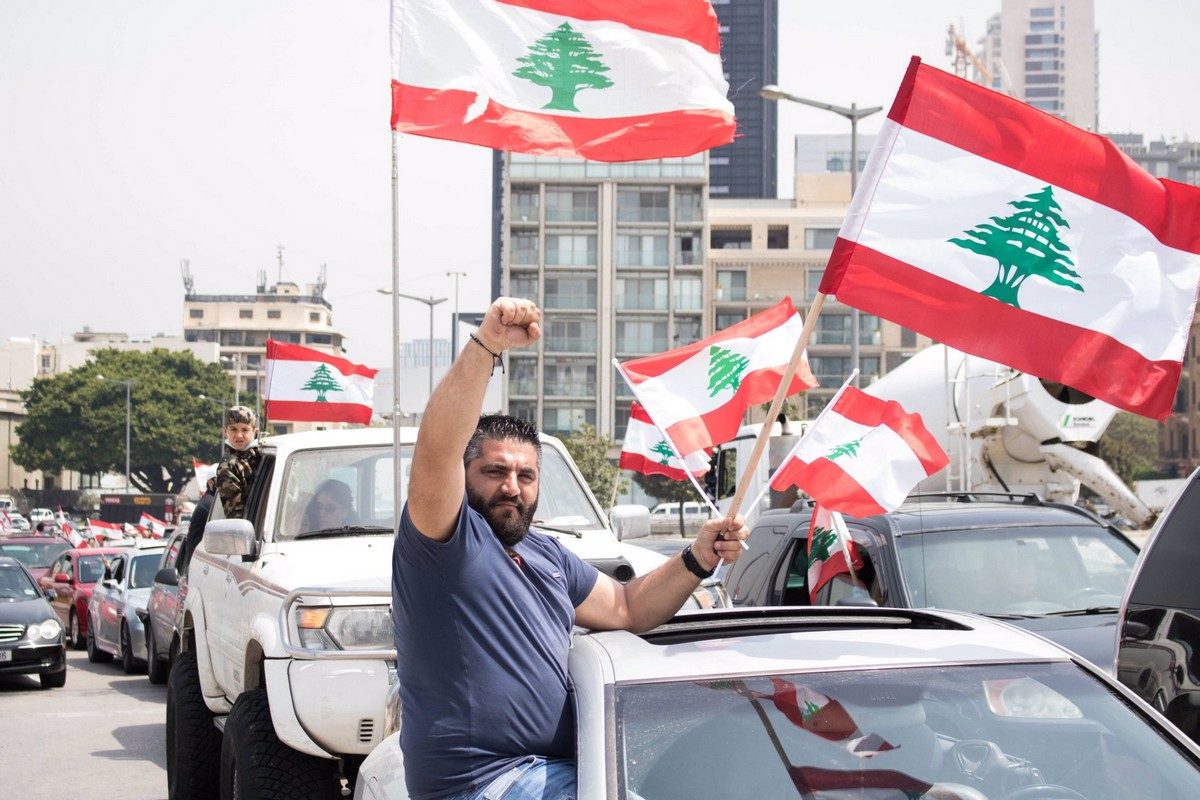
column 262, row 281
column 185, row 269
column 279, row 256
column 319, row 288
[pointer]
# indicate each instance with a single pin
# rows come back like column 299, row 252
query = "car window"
column 1034, row 730
column 35, row 554
column 339, row 487
column 143, row 570
column 116, row 570
column 90, row 569
column 171, row 555
column 15, row 584
column 63, row 564
column 749, row 569
column 792, row 589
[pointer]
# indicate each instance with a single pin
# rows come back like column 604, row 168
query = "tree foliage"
column 76, row 421
column 1130, row 447
column 589, row 450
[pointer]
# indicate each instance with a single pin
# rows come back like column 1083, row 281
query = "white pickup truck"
column 285, row 635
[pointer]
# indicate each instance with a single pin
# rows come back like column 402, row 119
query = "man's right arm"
column 435, row 488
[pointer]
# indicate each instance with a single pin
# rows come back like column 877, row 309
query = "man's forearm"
column 655, row 597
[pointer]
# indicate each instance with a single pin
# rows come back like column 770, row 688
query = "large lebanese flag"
column 861, row 456
column 616, row 80
column 647, row 451
column 1007, row 233
column 697, row 394
column 310, row 386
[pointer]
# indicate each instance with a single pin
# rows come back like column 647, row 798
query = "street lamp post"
column 430, row 301
column 854, row 114
column 221, row 427
column 236, row 360
column 454, row 324
column 128, row 390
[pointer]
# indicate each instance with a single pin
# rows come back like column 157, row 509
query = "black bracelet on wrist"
column 495, row 356
column 693, row 565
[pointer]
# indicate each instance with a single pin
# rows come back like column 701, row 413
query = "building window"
column 688, row 251
column 641, row 250
column 839, row 160
column 525, row 286
column 820, row 238
column 565, row 420
column 641, row 336
column 569, row 377
column 1041, row 12
column 252, row 385
column 196, row 313
column 524, row 247
column 571, row 336
column 687, row 330
column 526, row 410
column 832, row 371
column 575, row 292
column 245, row 313
column 620, row 420
column 233, row 338
column 689, row 294
column 523, row 380
column 727, row 318
column 318, row 338
column 730, row 239
column 689, row 204
column 274, row 313
column 812, row 282
column 731, row 285
column 524, row 204
column 314, row 316
column 835, row 329
column 1041, row 27
column 777, row 237
column 1042, row 79
column 570, row 249
column 643, row 205
column 908, row 338
column 253, row 360
column 570, row 205
column 641, row 294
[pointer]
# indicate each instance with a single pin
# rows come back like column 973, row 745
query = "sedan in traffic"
column 69, row 585
column 115, row 629
column 31, row 640
column 36, row 553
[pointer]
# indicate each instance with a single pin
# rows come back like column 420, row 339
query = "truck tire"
column 193, row 741
column 255, row 765
column 156, row 668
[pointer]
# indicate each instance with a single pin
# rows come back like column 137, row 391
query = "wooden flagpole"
column 760, row 444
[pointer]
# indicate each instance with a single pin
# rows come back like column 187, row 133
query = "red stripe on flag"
column 693, row 20
column 947, row 312
column 282, row 351
column 300, row 411
column 1005, row 130
column 439, row 113
column 648, row 466
column 838, row 490
column 872, row 411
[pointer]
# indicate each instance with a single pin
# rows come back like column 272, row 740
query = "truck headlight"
column 345, row 627
column 50, row 629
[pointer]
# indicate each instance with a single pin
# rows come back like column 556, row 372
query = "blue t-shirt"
column 482, row 652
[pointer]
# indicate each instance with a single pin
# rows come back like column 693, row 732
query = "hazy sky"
column 137, row 134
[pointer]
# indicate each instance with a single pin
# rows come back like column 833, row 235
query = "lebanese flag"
column 152, row 525
column 861, row 456
column 817, row 713
column 647, row 451
column 73, row 536
column 307, row 385
column 203, row 472
column 1007, row 233
column 828, row 545
column 697, row 394
column 608, row 81
column 5, row 522
column 105, row 530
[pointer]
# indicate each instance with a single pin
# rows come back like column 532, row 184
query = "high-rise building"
column 1044, row 52
column 750, row 58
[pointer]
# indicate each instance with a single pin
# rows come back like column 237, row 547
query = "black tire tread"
column 157, row 669
column 94, row 653
column 53, row 680
column 197, row 749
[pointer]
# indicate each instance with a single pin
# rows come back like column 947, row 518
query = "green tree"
column 725, row 368
column 564, row 61
column 589, row 450
column 665, row 490
column 322, row 381
column 75, row 421
column 1024, row 244
column 1130, row 447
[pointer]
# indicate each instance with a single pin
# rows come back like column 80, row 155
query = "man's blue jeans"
column 534, row 778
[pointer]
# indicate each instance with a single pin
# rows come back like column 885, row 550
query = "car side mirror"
column 167, row 576
column 1136, row 630
column 62, row 577
column 50, row 594
column 629, row 521
column 229, row 537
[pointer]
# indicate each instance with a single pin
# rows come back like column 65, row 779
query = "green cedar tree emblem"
column 725, row 368
column 1024, row 244
column 564, row 61
column 810, row 708
column 322, row 381
column 821, row 544
column 664, row 450
column 846, row 449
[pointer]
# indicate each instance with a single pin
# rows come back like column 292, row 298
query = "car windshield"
column 91, row 568
column 350, row 490
column 1006, row 731
column 144, row 569
column 35, row 554
column 1017, row 571
column 15, row 584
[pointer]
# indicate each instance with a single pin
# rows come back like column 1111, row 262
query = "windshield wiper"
column 545, row 527
column 343, row 529
column 1009, row 616
column 1084, row 612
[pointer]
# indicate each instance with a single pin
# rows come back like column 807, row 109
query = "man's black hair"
column 500, row 427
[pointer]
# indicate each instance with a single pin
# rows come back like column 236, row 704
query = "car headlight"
column 345, row 628
column 50, row 629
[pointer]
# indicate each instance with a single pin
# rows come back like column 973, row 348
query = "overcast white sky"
column 137, row 134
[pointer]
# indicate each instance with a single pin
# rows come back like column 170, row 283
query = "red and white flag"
column 105, row 530
column 310, row 386
column 614, row 81
column 830, row 550
column 1007, row 233
column 699, row 393
column 152, row 525
column 5, row 522
column 861, row 456
column 647, row 451
column 73, row 536
column 203, row 473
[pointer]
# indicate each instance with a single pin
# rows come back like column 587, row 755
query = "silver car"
column 114, row 628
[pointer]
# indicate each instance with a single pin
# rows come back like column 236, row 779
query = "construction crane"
column 963, row 59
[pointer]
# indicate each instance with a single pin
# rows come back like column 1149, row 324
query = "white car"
column 664, row 518
column 114, row 627
column 41, row 515
column 826, row 704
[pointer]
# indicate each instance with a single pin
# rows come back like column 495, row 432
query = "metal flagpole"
column 396, row 465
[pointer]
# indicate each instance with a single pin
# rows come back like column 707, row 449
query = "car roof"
column 33, row 539
column 357, row 437
column 743, row 641
column 95, row 551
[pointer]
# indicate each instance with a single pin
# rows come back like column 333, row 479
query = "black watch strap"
column 693, row 566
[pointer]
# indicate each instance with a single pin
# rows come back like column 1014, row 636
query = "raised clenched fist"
column 510, row 323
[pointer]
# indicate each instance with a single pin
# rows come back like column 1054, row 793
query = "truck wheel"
column 255, row 765
column 193, row 741
column 156, row 668
column 95, row 654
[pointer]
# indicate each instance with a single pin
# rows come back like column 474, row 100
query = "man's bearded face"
column 502, row 485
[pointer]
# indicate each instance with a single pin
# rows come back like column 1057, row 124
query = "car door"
column 106, row 620
column 1158, row 651
column 164, row 599
column 63, row 592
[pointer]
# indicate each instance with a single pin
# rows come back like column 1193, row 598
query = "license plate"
column 5, row 655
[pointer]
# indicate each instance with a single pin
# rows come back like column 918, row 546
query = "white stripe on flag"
column 286, row 379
